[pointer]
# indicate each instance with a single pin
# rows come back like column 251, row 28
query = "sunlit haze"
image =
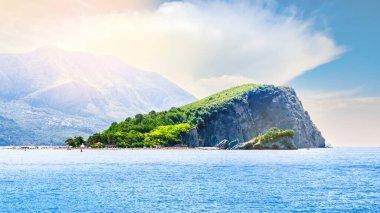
column 207, row 46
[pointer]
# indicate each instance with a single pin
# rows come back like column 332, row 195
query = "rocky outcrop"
column 253, row 113
column 282, row 144
column 225, row 144
column 273, row 139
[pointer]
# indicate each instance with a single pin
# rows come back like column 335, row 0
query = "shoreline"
column 24, row 148
column 70, row 148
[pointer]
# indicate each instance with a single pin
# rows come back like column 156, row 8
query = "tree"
column 79, row 140
column 168, row 135
column 138, row 118
column 97, row 145
column 70, row 142
column 75, row 142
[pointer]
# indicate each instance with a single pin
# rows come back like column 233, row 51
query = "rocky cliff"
column 250, row 111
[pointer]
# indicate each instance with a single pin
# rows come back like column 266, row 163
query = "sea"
column 305, row 180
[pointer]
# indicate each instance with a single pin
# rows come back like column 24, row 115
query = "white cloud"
column 345, row 120
column 192, row 43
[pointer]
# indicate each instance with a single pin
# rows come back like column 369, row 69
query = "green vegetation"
column 273, row 135
column 166, row 128
column 274, row 138
column 96, row 145
column 153, row 129
column 75, row 142
column 220, row 99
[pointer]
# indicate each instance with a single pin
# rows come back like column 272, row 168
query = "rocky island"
column 249, row 116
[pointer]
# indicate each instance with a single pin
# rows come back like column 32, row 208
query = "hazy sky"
column 327, row 50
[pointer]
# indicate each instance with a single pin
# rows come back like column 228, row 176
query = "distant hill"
column 52, row 93
column 237, row 115
column 10, row 130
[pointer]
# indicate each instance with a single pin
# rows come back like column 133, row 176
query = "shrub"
column 97, row 145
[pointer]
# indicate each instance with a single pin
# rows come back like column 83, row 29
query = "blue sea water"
column 327, row 180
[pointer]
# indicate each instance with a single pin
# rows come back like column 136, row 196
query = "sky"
column 326, row 50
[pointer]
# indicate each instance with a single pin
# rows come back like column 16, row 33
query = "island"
column 250, row 116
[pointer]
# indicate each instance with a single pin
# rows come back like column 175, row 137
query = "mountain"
column 233, row 116
column 53, row 93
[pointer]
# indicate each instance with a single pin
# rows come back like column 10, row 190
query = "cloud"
column 192, row 43
column 26, row 24
column 343, row 118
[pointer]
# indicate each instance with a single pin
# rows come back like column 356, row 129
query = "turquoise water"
column 331, row 180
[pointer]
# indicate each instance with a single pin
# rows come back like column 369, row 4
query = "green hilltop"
column 221, row 98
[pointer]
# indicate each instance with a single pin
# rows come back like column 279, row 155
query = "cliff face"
column 254, row 113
